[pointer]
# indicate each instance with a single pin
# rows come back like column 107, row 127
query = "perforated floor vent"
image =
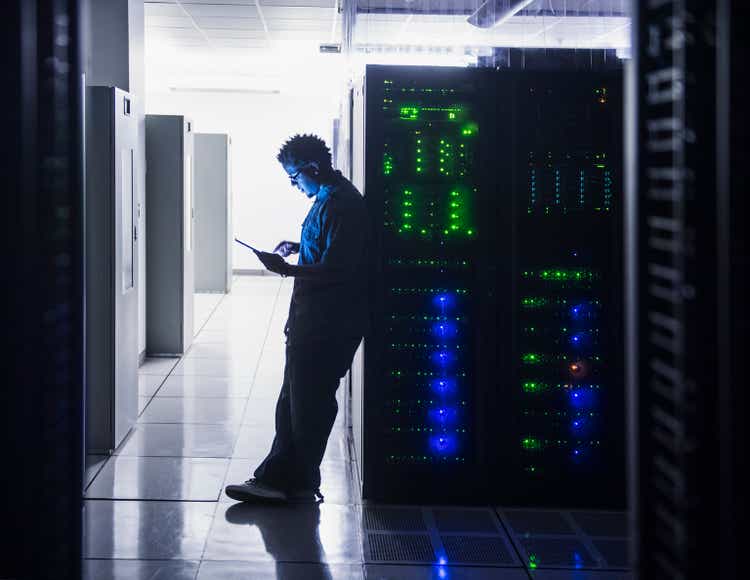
column 466, row 521
column 399, row 548
column 393, row 519
column 476, row 550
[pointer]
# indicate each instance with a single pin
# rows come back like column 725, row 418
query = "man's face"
column 303, row 177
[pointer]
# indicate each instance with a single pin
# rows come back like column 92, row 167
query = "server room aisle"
column 156, row 509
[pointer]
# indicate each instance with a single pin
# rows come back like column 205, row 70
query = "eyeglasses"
column 293, row 178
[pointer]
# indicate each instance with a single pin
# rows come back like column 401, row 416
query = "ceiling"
column 232, row 43
column 240, row 24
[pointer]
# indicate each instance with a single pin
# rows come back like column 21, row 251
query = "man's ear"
column 315, row 167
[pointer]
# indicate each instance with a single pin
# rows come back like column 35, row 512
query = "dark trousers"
column 305, row 412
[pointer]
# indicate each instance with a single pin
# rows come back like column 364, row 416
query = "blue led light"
column 443, row 443
column 444, row 329
column 442, row 560
column 443, row 385
column 443, row 415
column 444, row 358
column 579, row 340
column 582, row 398
column 444, row 301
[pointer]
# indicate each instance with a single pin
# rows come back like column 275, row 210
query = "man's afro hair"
column 304, row 149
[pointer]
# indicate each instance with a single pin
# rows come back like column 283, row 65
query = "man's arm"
column 345, row 235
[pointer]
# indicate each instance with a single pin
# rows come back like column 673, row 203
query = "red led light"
column 577, row 368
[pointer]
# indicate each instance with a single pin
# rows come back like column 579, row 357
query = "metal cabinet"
column 111, row 268
column 170, row 227
column 213, row 213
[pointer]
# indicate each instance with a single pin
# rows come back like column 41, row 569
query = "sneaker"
column 254, row 491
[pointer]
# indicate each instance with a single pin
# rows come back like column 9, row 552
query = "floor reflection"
column 276, row 538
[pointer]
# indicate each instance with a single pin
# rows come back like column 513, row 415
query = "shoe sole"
column 245, row 496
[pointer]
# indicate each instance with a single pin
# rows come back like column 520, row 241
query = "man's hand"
column 286, row 248
column 273, row 262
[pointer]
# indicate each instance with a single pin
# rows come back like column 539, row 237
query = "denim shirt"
column 335, row 233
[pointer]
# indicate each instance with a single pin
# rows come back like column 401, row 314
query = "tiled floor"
column 155, row 509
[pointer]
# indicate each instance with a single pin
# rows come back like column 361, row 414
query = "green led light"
column 407, row 214
column 563, row 275
column 387, row 164
column 532, row 302
column 451, row 115
column 531, row 444
column 409, row 113
column 533, row 386
column 470, row 232
column 454, row 226
column 531, row 358
column 407, row 226
column 455, row 194
column 533, row 561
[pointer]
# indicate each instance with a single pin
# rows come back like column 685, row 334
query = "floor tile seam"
column 332, row 502
column 177, row 456
column 229, row 376
column 151, row 398
column 154, row 499
column 189, row 422
column 170, row 560
column 582, row 568
column 200, row 397
column 150, row 500
column 218, row 302
column 517, row 548
column 449, row 565
column 567, row 536
column 584, row 538
column 211, row 525
column 98, row 471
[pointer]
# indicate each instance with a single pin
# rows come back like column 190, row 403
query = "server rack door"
column 422, row 363
column 561, row 437
column 188, row 205
column 126, row 264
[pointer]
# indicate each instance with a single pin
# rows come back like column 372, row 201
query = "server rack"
column 487, row 235
column 111, row 268
column 563, row 410
column 170, row 283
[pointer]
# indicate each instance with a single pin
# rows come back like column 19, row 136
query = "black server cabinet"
column 426, row 155
column 492, row 371
column 560, row 407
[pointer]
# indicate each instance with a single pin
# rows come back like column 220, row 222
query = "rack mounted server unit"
column 493, row 371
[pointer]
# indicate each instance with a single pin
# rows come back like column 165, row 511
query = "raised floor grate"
column 399, row 548
column 460, row 549
column 393, row 519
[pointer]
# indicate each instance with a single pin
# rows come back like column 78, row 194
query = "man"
column 327, row 319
